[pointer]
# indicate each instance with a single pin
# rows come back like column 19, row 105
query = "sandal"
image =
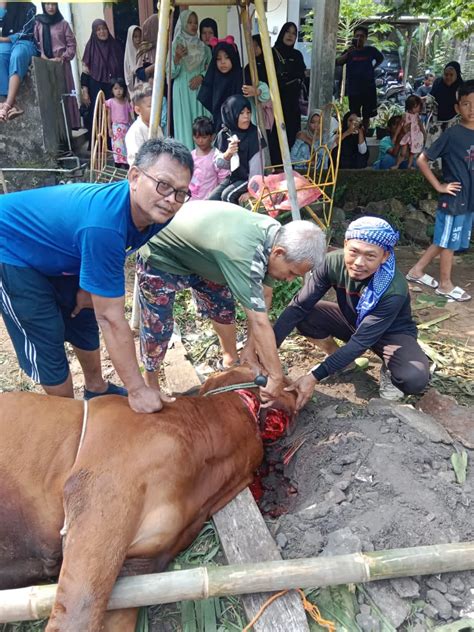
column 456, row 294
column 4, row 111
column 425, row 279
column 14, row 112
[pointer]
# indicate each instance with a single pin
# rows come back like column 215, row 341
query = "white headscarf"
column 195, row 47
column 130, row 59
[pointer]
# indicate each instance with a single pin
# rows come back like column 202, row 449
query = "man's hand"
column 271, row 392
column 83, row 301
column 304, row 387
column 451, row 188
column 148, row 400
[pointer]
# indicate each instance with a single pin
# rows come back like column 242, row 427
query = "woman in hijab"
column 223, row 79
column 238, row 137
column 102, row 61
column 444, row 90
column 17, row 47
column 55, row 40
column 208, row 30
column 189, row 60
column 134, row 39
column 290, row 69
column 147, row 50
column 354, row 152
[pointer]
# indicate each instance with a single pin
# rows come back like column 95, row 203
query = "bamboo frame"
column 35, row 602
column 277, row 107
column 317, row 176
column 99, row 137
column 159, row 75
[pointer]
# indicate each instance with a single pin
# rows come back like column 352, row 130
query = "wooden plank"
column 245, row 538
column 180, row 374
column 242, row 530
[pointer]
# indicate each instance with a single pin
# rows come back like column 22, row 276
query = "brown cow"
column 138, row 492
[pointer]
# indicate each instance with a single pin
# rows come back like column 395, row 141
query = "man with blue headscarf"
column 372, row 312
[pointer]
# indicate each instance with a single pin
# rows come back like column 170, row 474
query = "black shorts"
column 364, row 105
column 37, row 314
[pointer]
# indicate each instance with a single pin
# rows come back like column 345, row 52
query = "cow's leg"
column 101, row 514
column 121, row 620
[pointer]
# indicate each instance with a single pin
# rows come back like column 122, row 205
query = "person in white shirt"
column 139, row 130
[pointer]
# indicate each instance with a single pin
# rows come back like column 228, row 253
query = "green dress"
column 186, row 107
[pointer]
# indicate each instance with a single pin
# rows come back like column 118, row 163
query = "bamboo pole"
column 35, row 602
column 155, row 115
column 246, row 26
column 160, row 67
column 277, row 109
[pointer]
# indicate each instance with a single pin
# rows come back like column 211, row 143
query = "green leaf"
column 188, row 617
column 459, row 462
column 462, row 625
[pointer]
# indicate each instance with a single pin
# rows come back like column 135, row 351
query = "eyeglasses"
column 165, row 189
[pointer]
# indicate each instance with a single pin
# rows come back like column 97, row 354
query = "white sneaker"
column 387, row 389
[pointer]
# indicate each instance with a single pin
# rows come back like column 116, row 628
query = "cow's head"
column 286, row 401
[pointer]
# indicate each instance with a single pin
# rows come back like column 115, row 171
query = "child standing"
column 207, row 176
column 456, row 201
column 223, row 79
column 139, row 131
column 119, row 121
column 413, row 132
column 237, row 149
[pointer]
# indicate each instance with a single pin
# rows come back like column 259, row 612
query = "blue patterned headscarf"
column 377, row 231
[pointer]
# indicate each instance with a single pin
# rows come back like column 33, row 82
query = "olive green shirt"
column 220, row 242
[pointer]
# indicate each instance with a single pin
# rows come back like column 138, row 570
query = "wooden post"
column 160, row 67
column 323, row 53
column 277, row 109
column 245, row 24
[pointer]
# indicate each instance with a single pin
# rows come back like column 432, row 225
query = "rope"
column 85, row 416
column 231, row 387
column 310, row 608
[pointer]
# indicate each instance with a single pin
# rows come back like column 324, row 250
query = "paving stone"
column 341, row 542
column 335, row 496
column 405, row 587
column 458, row 420
column 437, row 584
column 389, row 603
column 457, row 584
column 440, row 603
column 423, row 423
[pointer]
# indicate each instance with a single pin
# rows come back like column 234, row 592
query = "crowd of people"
column 62, row 274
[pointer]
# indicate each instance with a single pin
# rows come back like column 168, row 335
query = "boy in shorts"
column 456, row 201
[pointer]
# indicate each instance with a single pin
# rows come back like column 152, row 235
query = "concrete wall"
column 34, row 138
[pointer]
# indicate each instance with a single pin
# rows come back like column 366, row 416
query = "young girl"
column 130, row 64
column 207, row 176
column 354, row 153
column 190, row 58
column 223, row 79
column 311, row 137
column 237, row 138
column 413, row 132
column 119, row 120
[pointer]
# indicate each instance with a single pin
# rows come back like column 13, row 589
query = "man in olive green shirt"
column 222, row 252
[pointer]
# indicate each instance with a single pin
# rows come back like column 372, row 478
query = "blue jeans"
column 15, row 59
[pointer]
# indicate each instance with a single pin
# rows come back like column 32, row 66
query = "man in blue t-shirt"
column 360, row 79
column 62, row 256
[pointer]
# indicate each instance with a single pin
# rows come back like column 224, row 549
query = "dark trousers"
column 229, row 191
column 403, row 356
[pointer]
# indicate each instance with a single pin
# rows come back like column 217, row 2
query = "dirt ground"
column 362, row 478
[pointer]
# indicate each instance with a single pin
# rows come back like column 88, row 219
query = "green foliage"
column 385, row 112
column 457, row 15
column 353, row 13
column 367, row 185
column 283, row 292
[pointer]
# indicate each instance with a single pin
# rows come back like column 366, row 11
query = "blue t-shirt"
column 455, row 147
column 360, row 69
column 75, row 229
